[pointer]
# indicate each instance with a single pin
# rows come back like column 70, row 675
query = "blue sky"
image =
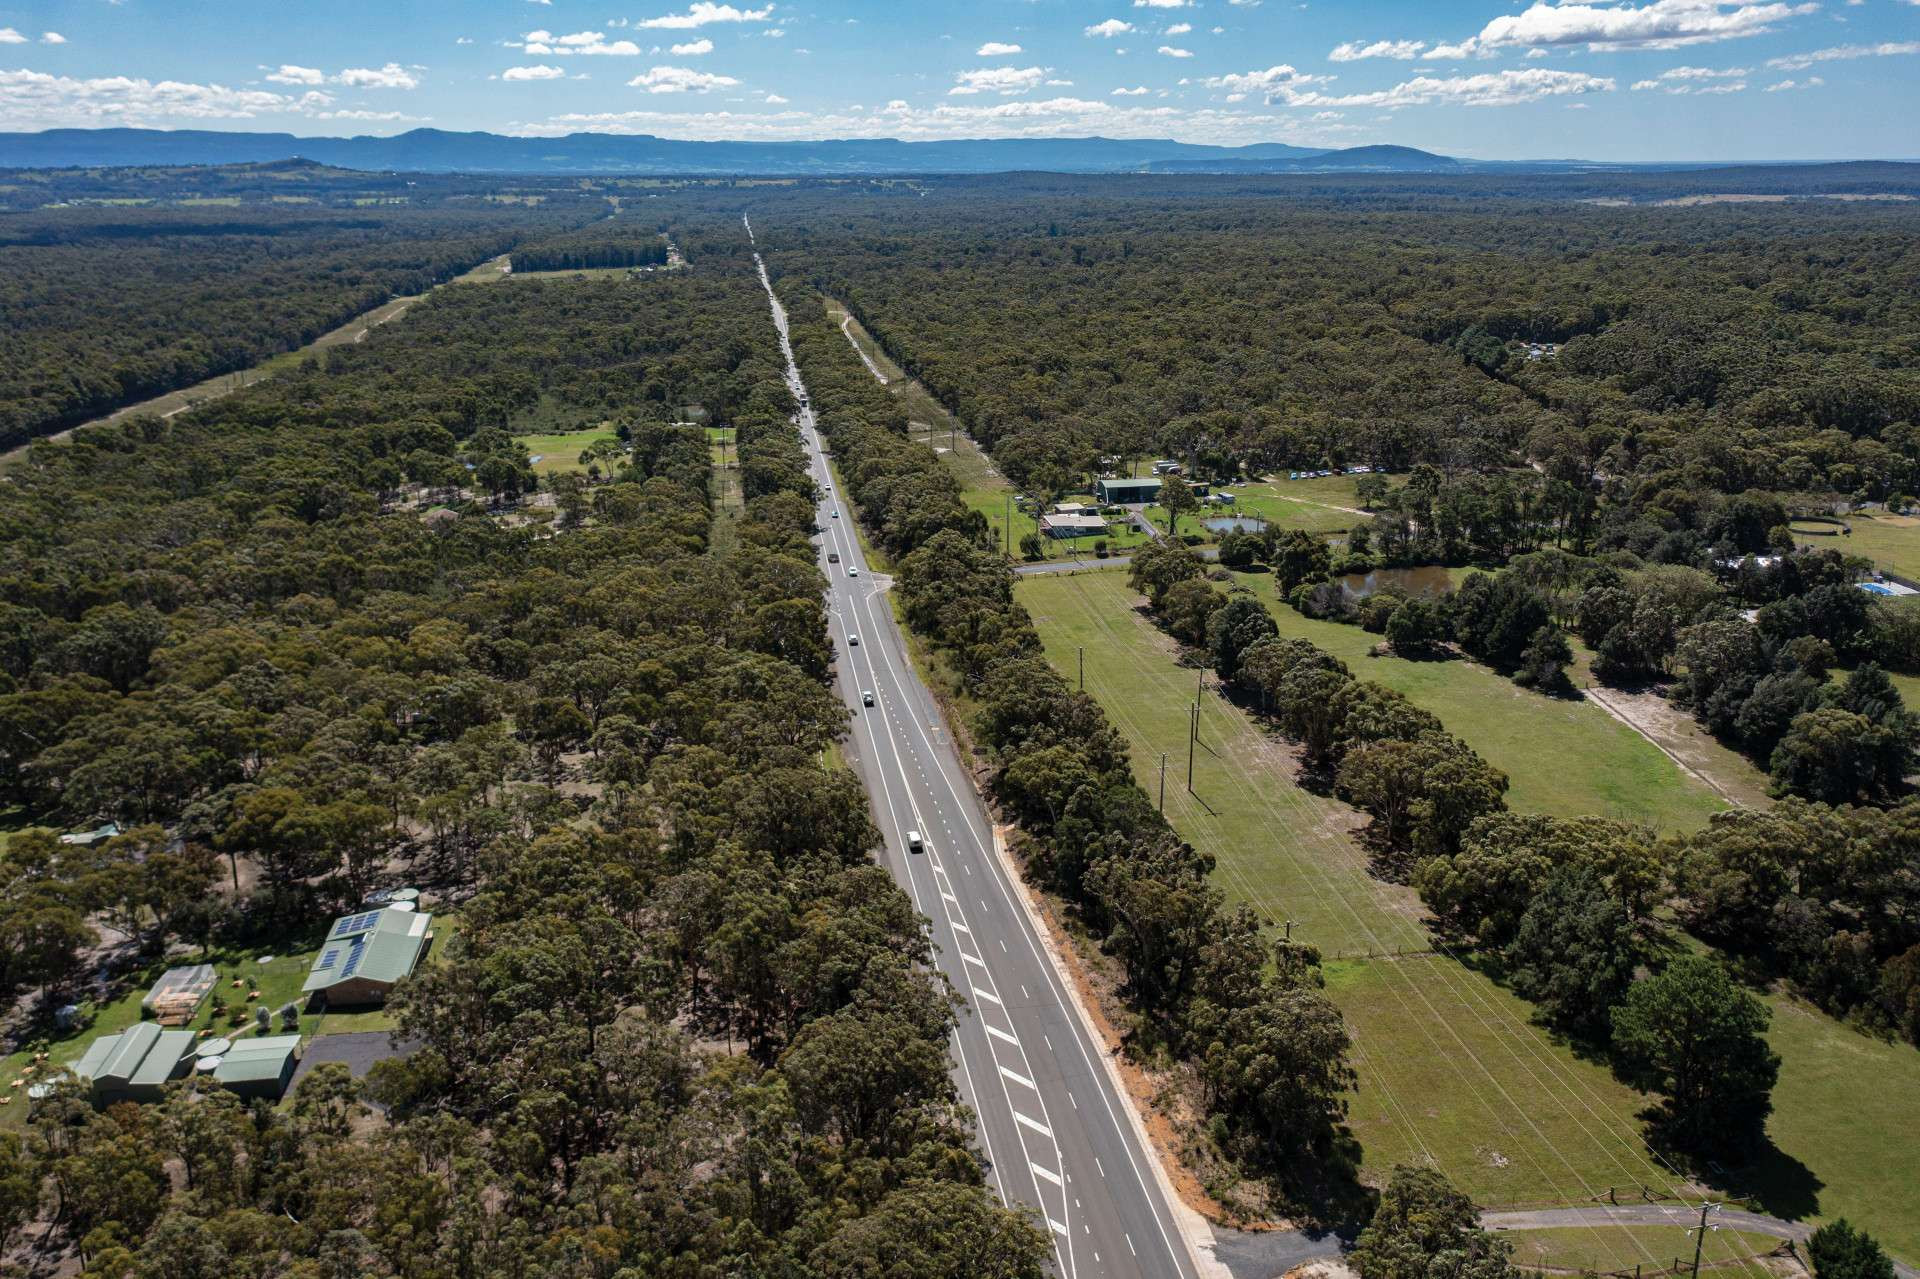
column 1600, row 79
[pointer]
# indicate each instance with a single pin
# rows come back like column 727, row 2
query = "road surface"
column 1053, row 1124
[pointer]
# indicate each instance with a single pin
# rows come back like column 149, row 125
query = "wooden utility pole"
column 1700, row 1237
column 1083, row 670
column 1162, row 805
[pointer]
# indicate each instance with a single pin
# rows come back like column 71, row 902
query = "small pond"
column 1234, row 523
column 1429, row 581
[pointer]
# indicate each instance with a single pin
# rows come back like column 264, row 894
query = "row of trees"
column 1566, row 908
column 1237, row 1014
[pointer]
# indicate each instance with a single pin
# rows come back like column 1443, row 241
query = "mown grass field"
column 1453, row 1070
column 1562, row 756
column 1890, row 541
column 559, row 451
column 1845, row 1117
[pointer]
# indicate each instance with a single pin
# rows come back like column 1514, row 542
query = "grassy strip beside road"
column 1452, row 1071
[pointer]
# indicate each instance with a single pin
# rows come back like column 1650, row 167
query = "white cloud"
column 1270, row 82
column 1162, row 4
column 1138, row 91
column 1005, row 81
column 384, row 117
column 1059, row 84
column 1681, row 81
column 1329, row 115
column 532, row 73
column 37, row 100
column 290, row 74
column 545, row 44
column 1354, row 50
column 703, row 12
column 1811, row 82
column 1109, row 29
column 1172, row 52
column 391, row 76
column 1178, row 29
column 1659, row 24
column 52, row 37
column 680, row 80
column 1801, row 61
column 9, row 36
column 693, row 48
column 1537, row 53
column 1449, row 52
column 463, row 39
column 995, row 49
column 1489, row 89
column 775, row 100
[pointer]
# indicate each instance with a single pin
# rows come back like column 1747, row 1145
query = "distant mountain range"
column 439, row 151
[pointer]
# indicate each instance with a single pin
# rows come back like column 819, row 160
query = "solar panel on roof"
column 358, row 949
column 328, row 959
column 356, row 923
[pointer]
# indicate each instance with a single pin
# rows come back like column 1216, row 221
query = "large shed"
column 259, row 1067
column 365, row 954
column 136, row 1064
column 1126, row 492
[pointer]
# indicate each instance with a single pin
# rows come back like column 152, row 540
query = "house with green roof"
column 365, row 953
column 136, row 1064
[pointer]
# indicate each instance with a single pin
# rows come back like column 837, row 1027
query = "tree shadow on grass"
column 1763, row 1178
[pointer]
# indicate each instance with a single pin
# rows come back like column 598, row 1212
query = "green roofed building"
column 1128, row 492
column 135, row 1064
column 365, row 954
column 259, row 1067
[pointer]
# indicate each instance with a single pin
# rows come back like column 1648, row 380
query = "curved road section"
column 1053, row 1125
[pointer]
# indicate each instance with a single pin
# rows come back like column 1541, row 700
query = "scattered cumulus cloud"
column 1179, row 29
column 693, row 48
column 545, row 44
column 9, row 36
column 1282, row 84
column 1660, row 24
column 38, row 100
column 1109, row 29
column 290, row 74
column 52, row 37
column 1138, row 91
column 1162, row 4
column 1355, row 50
column 1171, row 52
column 703, row 13
column 532, row 73
column 680, row 80
column 391, row 76
column 1839, row 53
column 995, row 49
column 1811, row 82
column 1005, row 81
column 775, row 100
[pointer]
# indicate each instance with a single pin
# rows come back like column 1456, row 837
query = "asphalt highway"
column 1054, row 1130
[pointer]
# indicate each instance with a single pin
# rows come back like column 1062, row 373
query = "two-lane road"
column 1054, row 1128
